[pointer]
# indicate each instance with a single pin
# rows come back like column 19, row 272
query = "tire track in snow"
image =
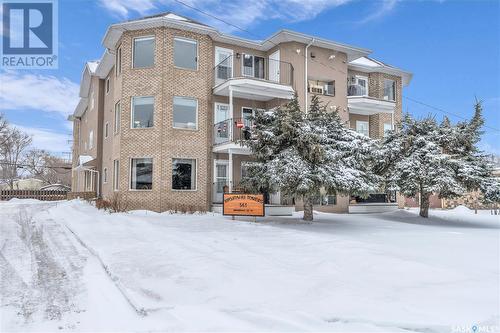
column 139, row 310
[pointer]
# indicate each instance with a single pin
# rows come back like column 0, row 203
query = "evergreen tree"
column 300, row 154
column 424, row 157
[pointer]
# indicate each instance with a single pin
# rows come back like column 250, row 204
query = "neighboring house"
column 24, row 184
column 56, row 187
column 163, row 115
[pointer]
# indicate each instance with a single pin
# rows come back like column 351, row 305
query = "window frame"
column 130, row 174
column 393, row 90
column 197, row 57
column 105, row 176
column 197, row 109
column 253, row 66
column 116, row 175
column 195, row 174
column 389, row 129
column 118, row 61
column 367, row 126
column 132, row 113
column 107, row 85
column 146, row 37
column 116, row 127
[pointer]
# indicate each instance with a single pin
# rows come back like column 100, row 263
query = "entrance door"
column 224, row 64
column 221, row 179
column 222, row 123
column 274, row 66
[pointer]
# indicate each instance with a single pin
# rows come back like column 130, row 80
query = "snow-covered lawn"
column 67, row 266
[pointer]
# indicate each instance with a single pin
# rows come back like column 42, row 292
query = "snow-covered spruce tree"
column 300, row 153
column 423, row 157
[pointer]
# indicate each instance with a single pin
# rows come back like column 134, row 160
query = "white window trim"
column 253, row 64
column 116, row 185
column 106, row 130
column 195, row 174
column 148, row 37
column 105, row 176
column 132, row 112
column 116, row 127
column 223, row 49
column 118, row 60
column 130, row 174
column 367, row 125
column 197, row 106
column 192, row 41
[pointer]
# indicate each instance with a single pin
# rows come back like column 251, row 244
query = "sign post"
column 240, row 204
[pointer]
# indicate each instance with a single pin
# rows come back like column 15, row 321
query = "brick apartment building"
column 163, row 114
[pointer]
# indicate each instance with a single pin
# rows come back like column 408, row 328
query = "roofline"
column 405, row 75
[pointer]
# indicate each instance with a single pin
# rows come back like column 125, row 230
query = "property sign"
column 243, row 204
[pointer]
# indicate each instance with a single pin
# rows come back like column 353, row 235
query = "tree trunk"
column 308, row 208
column 424, row 204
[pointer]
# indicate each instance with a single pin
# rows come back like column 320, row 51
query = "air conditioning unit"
column 317, row 89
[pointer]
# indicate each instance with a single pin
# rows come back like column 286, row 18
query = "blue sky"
column 451, row 47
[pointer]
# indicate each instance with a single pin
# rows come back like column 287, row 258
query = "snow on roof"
column 373, row 65
column 84, row 159
column 93, row 66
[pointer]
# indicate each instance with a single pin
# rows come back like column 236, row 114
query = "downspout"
column 306, row 97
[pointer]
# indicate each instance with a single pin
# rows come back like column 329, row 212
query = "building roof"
column 366, row 64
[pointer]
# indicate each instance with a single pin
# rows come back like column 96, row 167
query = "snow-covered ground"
column 66, row 266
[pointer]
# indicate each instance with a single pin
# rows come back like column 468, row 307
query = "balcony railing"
column 232, row 130
column 356, row 90
column 259, row 68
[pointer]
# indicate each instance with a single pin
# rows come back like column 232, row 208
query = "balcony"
column 232, row 134
column 359, row 102
column 252, row 77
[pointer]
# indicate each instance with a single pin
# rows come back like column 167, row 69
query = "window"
column 117, row 118
column 141, row 174
column 105, row 175
column 107, row 85
column 321, row 87
column 142, row 112
column 357, row 86
column 184, row 174
column 106, row 129
column 118, row 61
column 185, row 53
column 389, row 90
column 144, row 50
column 91, row 139
column 253, row 66
column 185, row 112
column 362, row 127
column 387, row 128
column 116, row 173
column 325, row 200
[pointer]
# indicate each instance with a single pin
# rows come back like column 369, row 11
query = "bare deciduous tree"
column 47, row 167
column 13, row 146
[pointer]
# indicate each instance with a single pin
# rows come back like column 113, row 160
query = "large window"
column 142, row 112
column 184, row 174
column 185, row 112
column 185, row 53
column 141, row 174
column 116, row 174
column 117, row 118
column 389, row 90
column 253, row 66
column 144, row 52
column 362, row 127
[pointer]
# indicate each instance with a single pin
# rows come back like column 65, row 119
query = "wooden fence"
column 45, row 195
